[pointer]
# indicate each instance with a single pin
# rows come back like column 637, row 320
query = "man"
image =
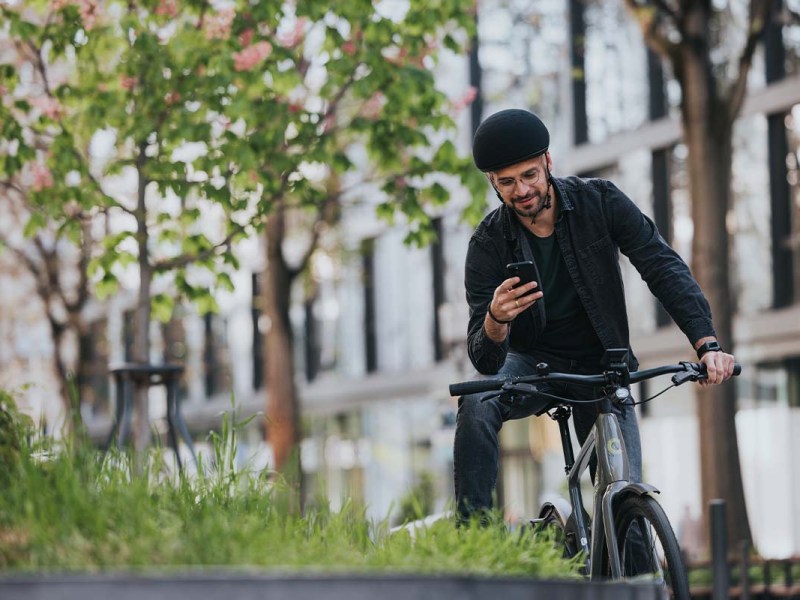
column 572, row 229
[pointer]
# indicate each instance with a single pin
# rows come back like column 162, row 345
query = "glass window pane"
column 616, row 70
column 793, row 176
column 749, row 222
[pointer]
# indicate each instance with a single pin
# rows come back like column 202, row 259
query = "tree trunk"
column 283, row 414
column 708, row 125
column 58, row 332
column 141, row 318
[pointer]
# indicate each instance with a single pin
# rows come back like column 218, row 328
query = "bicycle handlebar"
column 695, row 370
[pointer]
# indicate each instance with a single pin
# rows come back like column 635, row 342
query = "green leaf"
column 162, row 306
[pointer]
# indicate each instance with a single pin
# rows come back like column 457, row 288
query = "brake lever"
column 509, row 390
column 690, row 374
column 522, row 388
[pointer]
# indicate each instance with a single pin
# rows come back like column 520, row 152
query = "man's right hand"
column 507, row 303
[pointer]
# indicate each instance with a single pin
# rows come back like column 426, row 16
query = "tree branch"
column 649, row 16
column 760, row 13
column 789, row 16
column 183, row 260
column 324, row 215
column 82, row 295
column 42, row 70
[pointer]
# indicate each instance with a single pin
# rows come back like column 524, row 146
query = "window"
column 216, row 359
column 438, row 271
column 370, row 320
column 749, row 221
column 789, row 243
column 791, row 40
column 173, row 335
column 92, row 379
column 776, row 382
column 662, row 209
column 258, row 337
column 616, row 70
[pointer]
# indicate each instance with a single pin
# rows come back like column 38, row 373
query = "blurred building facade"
column 382, row 332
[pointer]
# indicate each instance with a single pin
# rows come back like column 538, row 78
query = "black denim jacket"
column 596, row 221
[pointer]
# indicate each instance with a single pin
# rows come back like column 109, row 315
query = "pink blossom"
column 172, row 97
column 349, row 48
column 127, row 82
column 248, row 58
column 167, row 8
column 372, row 108
column 465, row 100
column 50, row 107
column 88, row 10
column 41, row 177
column 290, row 39
column 246, row 37
column 218, row 25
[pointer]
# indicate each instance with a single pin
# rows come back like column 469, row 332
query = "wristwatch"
column 712, row 346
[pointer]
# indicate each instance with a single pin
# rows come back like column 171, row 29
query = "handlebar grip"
column 737, row 368
column 475, row 387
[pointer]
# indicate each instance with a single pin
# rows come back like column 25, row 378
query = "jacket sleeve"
column 483, row 273
column 666, row 274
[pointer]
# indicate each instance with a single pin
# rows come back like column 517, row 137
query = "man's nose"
column 521, row 188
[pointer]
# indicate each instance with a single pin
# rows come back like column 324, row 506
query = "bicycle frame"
column 612, row 479
column 605, row 442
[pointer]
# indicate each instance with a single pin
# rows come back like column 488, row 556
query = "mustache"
column 520, row 199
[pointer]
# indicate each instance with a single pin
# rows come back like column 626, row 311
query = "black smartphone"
column 525, row 270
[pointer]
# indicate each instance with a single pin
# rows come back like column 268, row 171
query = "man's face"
column 523, row 186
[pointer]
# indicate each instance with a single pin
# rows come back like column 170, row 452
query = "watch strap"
column 712, row 346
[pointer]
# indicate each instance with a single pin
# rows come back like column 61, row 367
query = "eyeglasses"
column 528, row 178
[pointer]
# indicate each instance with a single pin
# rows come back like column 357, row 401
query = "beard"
column 539, row 205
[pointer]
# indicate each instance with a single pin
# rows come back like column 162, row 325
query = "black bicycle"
column 628, row 535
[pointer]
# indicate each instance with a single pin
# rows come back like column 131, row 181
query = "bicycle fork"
column 612, row 478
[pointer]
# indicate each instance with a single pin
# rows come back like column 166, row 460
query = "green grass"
column 77, row 509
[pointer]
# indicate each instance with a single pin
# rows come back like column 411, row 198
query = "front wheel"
column 647, row 546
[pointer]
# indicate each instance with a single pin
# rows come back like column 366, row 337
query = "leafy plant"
column 87, row 510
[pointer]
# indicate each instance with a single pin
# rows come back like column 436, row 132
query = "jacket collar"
column 509, row 220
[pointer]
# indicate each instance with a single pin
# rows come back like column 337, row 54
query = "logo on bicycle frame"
column 613, row 446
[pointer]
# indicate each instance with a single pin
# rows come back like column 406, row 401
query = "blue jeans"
column 477, row 450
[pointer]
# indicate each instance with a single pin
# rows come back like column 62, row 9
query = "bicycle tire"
column 663, row 560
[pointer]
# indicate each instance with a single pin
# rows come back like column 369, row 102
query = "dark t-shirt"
column 569, row 333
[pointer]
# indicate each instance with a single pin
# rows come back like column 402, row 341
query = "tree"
column 58, row 267
column 354, row 79
column 116, row 74
column 52, row 241
column 693, row 38
column 220, row 120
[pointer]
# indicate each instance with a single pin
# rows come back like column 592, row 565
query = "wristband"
column 495, row 319
column 706, row 347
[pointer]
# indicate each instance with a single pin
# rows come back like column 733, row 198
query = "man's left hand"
column 719, row 366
